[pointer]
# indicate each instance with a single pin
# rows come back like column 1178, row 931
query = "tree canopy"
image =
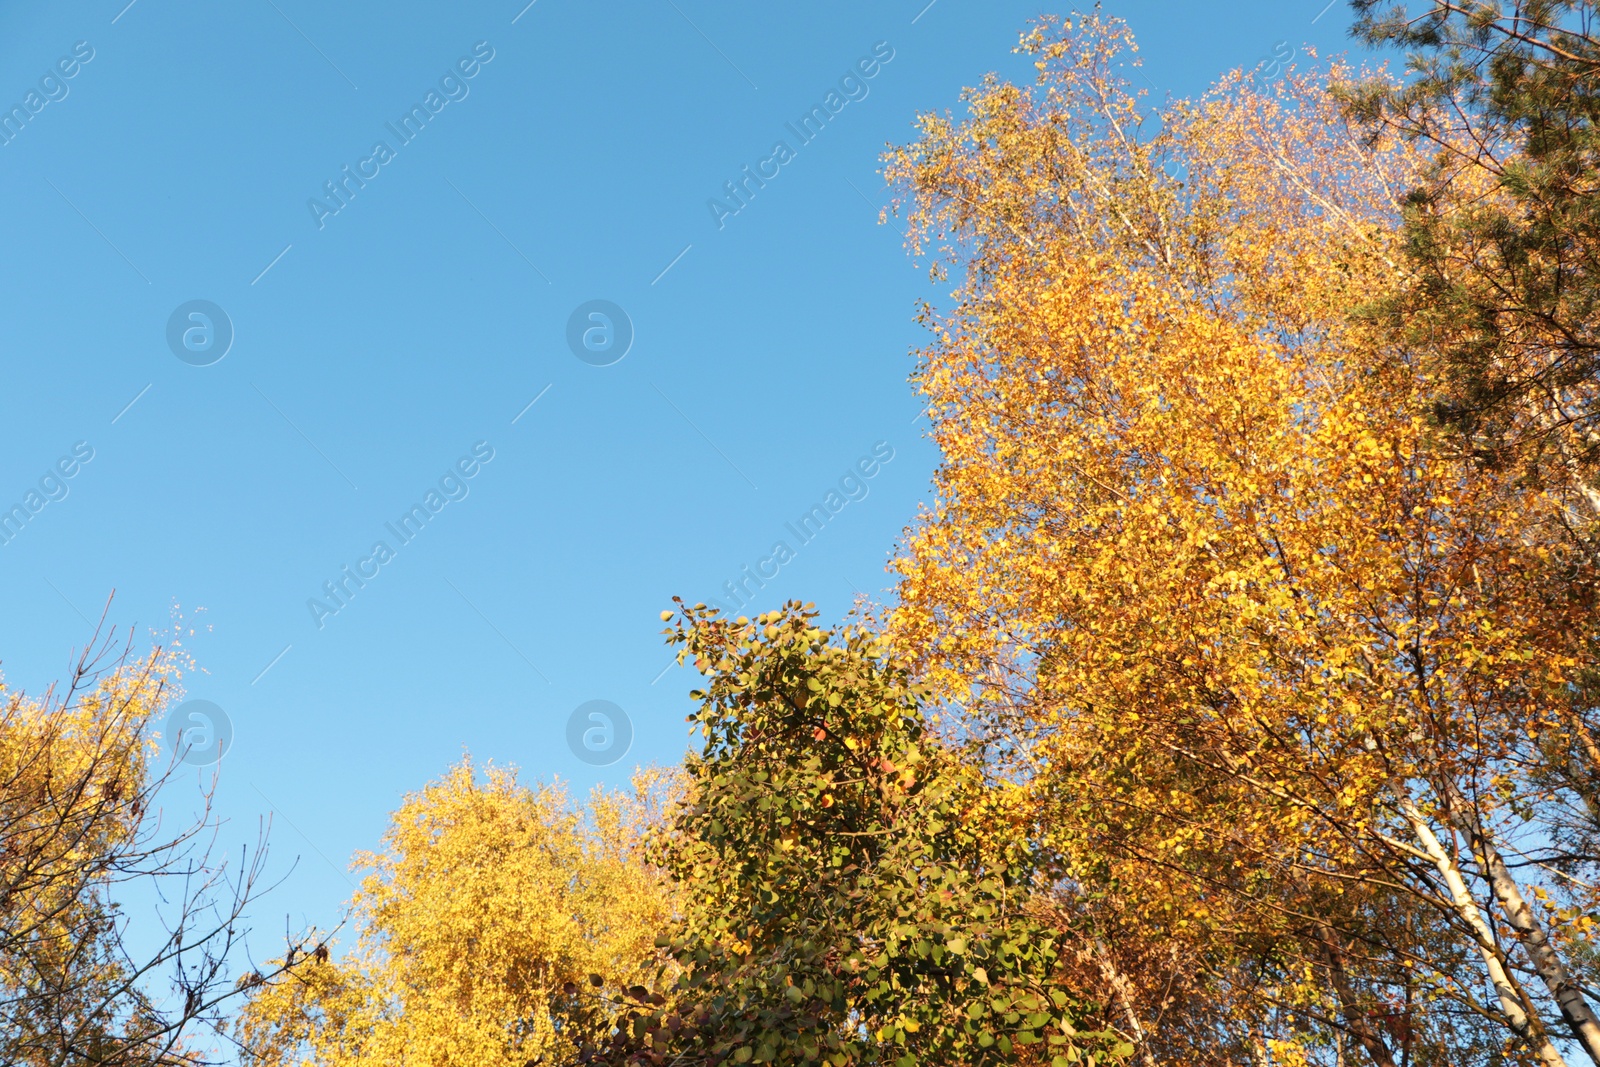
column 1292, row 684
column 1235, row 702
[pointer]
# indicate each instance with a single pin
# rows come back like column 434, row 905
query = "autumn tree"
column 81, row 827
column 478, row 926
column 1280, row 673
column 852, row 890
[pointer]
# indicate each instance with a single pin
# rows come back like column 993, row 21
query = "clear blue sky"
column 375, row 346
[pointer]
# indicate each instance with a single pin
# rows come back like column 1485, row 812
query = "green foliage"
column 1503, row 240
column 853, row 897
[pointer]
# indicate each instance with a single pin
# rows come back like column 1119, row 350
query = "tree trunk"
column 1513, row 1002
column 1522, row 918
column 1355, row 1020
column 1122, row 990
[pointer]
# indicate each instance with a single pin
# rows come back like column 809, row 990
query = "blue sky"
column 381, row 350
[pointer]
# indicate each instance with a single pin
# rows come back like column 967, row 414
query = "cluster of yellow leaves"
column 480, row 925
column 70, row 775
column 1198, row 559
column 75, row 786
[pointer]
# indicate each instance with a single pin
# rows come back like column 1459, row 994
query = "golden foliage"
column 479, row 924
column 73, row 789
column 80, row 829
column 1202, row 571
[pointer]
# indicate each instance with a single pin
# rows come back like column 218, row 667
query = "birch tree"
column 1287, row 675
